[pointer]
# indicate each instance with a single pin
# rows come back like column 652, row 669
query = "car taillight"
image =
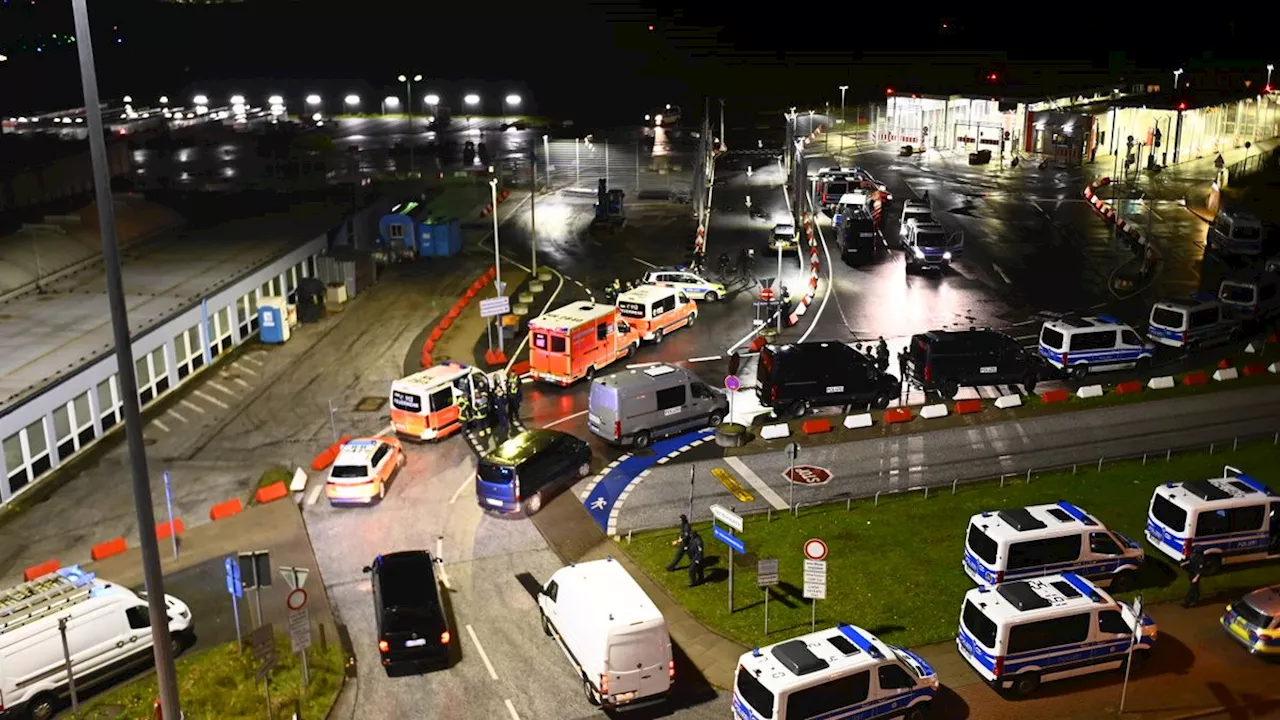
column 604, row 683
column 671, row 669
column 1186, row 548
column 998, row 669
column 617, row 428
column 773, row 394
column 928, row 372
column 444, row 637
column 999, row 576
column 383, row 646
column 1064, row 359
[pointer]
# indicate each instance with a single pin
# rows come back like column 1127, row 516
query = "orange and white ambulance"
column 655, row 311
column 577, row 340
column 424, row 405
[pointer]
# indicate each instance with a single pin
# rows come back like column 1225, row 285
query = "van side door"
column 1012, row 361
column 893, row 681
column 1112, row 636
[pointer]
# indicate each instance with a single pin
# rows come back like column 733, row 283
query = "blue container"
column 272, row 324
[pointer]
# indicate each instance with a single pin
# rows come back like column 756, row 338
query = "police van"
column 1019, row 634
column 1045, row 539
column 843, row 672
column 1084, row 345
column 1251, row 294
column 1231, row 519
column 927, row 246
column 1191, row 323
column 1236, row 232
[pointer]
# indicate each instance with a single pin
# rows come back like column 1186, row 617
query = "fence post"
column 1211, row 446
column 1099, row 464
column 1235, row 442
column 848, row 503
column 769, row 514
column 953, row 485
column 1144, row 459
column 1168, row 454
column 1073, row 468
column 926, row 492
column 628, row 537
column 1028, row 476
column 877, row 500
column 1001, row 479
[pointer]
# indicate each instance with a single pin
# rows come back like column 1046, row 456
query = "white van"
column 1019, row 634
column 843, row 672
column 1045, row 539
column 1191, row 323
column 1251, row 294
column 612, row 633
column 654, row 310
column 1080, row 346
column 1236, row 232
column 108, row 632
column 635, row 406
column 1231, row 519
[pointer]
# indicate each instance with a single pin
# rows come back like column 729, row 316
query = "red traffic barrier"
column 40, row 570
column 1197, row 377
column 492, row 272
column 1254, row 369
column 326, row 458
column 426, row 358
column 454, row 312
column 816, row 426
column 446, row 323
column 169, row 528
column 1055, row 396
column 1272, row 338
column 897, row 415
column 1224, row 363
column 757, row 344
column 225, row 509
column 495, row 357
column 435, row 335
column 470, row 293
column 966, row 407
column 274, row 491
column 521, row 367
column 1132, row 386
column 104, row 550
column 429, row 347
column 505, row 193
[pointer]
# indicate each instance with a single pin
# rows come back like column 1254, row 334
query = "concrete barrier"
column 104, row 550
column 271, row 492
column 967, row 407
column 1127, row 388
column 169, row 528
column 1055, row 396
column 224, row 509
column 863, row 420
column 1253, row 348
column 1196, row 377
column 775, row 431
column 298, row 482
column 930, row 412
column 1164, row 382
column 326, row 458
column 1273, row 368
column 1229, row 373
column 40, row 570
column 816, row 426
column 1089, row 391
column 897, row 415
column 1004, row 402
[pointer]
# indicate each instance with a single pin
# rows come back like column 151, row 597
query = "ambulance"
column 655, row 311
column 577, row 340
column 424, row 405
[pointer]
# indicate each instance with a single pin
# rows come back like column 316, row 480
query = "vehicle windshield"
column 931, row 240
column 407, row 401
column 348, row 471
column 1251, row 614
column 837, row 188
column 919, row 214
column 981, row 627
column 907, row 660
column 1169, row 515
column 1235, row 292
column 1051, row 338
column 1247, row 232
column 981, row 544
column 1165, row 317
column 496, row 474
column 631, row 309
column 754, row 693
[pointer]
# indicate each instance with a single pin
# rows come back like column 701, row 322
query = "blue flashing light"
column 1109, row 319
column 860, row 640
column 1082, row 585
column 1076, row 513
column 1254, row 484
column 755, row 652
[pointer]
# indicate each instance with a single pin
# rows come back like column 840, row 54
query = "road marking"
column 212, row 399
column 314, row 495
column 242, row 383
column 829, row 287
column 171, row 412
column 646, row 263
column 512, row 709
column 253, row 360
column 388, row 430
column 238, row 366
column 754, row 481
column 219, row 386
column 1036, row 205
column 192, row 405
column 566, row 418
column 708, row 358
column 160, row 425
column 483, row 655
column 1000, row 270
column 463, row 486
column 525, row 340
column 1026, row 337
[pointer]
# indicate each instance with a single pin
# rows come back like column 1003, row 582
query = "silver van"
column 1191, row 322
column 1251, row 294
column 635, row 406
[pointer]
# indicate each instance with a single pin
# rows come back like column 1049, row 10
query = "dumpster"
column 273, row 320
column 440, row 238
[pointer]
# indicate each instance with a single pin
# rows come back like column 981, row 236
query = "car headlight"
column 946, row 255
column 919, row 253
column 903, row 230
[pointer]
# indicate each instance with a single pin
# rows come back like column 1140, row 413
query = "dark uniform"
column 695, row 560
column 1195, row 566
column 515, row 393
column 498, row 418
column 464, row 410
column 882, row 355
column 681, row 542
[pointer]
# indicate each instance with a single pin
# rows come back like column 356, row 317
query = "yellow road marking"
column 732, row 485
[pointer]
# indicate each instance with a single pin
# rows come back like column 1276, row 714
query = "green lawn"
column 219, row 683
column 896, row 569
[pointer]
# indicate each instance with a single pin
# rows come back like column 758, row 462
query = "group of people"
column 499, row 406
column 689, row 544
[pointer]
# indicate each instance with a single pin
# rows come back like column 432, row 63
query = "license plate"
column 415, row 643
column 492, row 501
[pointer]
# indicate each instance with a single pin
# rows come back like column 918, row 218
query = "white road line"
column 388, row 430
column 566, row 418
column 253, row 360
column 708, row 358
column 754, row 481
column 314, row 495
column 466, row 483
column 192, row 405
column 242, row 383
column 525, row 340
column 160, row 425
column 210, row 398
column 493, row 674
column 1000, row 270
column 171, row 412
column 512, row 709
column 1036, row 205
column 219, row 386
column 646, row 263
column 1026, row 337
column 829, row 289
column 242, row 368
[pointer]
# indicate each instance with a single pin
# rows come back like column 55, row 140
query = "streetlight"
column 352, row 101
column 1269, row 69
column 471, row 99
column 497, row 259
column 313, row 99
column 432, row 100
column 164, row 99
column 408, row 101
column 275, row 100
column 843, row 129
column 1176, row 73
column 390, row 101
column 128, row 99
column 237, row 99
column 513, row 100
column 200, row 100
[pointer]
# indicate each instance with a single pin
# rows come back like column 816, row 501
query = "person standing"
column 902, row 372
column 882, row 355
column 464, row 411
column 1195, row 566
column 515, row 393
column 499, row 418
column 696, row 559
column 681, row 543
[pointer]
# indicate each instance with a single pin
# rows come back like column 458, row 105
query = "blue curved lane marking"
column 605, row 494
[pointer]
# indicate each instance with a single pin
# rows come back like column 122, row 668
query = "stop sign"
column 808, row 475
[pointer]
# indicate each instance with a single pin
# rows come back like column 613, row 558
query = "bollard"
column 1099, row 464
column 877, row 500
column 1001, row 479
column 848, row 504
column 1144, row 459
column 926, row 492
column 1073, row 468
column 1028, row 476
column 628, row 537
column 1168, row 454
column 1235, row 442
column 953, row 485
column 1276, row 440
column 768, row 515
column 1210, row 448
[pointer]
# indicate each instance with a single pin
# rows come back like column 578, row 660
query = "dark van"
column 413, row 633
column 858, row 237
column 529, row 469
column 944, row 360
column 797, row 377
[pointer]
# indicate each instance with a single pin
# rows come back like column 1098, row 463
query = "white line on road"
column 465, row 484
column 253, row 360
column 1026, row 337
column 708, row 358
column 524, row 341
column 212, row 399
column 171, row 412
column 1036, row 205
column 566, row 418
column 242, row 368
column 483, row 655
column 512, row 709
column 192, row 405
column 388, row 430
column 160, row 425
column 1000, row 270
column 754, row 481
column 219, row 386
column 314, row 495
column 646, row 263
column 829, row 289
column 242, row 383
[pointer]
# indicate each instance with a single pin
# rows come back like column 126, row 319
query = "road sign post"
column 733, row 384
column 71, row 675
column 735, row 544
column 1137, row 632
column 168, row 503
column 691, row 474
column 815, row 577
column 766, row 577
column 263, row 642
column 255, row 571
column 793, row 452
column 299, row 616
column 235, row 588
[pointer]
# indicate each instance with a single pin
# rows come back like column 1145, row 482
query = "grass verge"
column 219, row 683
column 896, row 569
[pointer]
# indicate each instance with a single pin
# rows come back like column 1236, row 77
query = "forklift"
column 611, row 214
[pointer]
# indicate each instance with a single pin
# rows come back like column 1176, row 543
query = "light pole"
column 471, row 100
column 1176, row 73
column 408, row 102
column 352, row 101
column 843, row 128
column 513, row 101
column 166, row 674
column 497, row 258
column 546, row 163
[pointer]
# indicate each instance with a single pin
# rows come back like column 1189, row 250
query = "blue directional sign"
column 733, row 541
column 234, row 586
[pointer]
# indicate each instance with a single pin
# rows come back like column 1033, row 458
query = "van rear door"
column 496, row 486
column 918, row 359
column 639, row 662
column 604, row 411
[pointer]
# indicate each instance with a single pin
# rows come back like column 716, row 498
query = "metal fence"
column 1254, row 163
column 640, row 171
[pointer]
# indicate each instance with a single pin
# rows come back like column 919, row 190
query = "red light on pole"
column 888, row 91
column 650, row 28
column 1182, row 106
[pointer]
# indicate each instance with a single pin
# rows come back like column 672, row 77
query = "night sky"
column 598, row 61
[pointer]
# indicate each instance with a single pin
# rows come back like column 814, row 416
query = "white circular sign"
column 298, row 598
column 815, row 549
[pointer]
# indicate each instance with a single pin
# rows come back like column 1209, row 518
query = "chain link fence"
column 1254, row 163
column 639, row 166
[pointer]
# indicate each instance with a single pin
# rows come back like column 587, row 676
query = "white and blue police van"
column 1251, row 294
column 1081, row 345
column 1020, row 634
column 844, row 672
column 1192, row 322
column 1231, row 519
column 1039, row 540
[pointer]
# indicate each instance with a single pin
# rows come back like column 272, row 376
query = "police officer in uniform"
column 498, row 419
column 1195, row 566
column 464, row 410
column 696, row 559
column 785, row 300
column 515, row 393
column 882, row 355
column 681, row 542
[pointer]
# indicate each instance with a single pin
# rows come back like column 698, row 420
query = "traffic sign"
column 808, row 475
column 735, row 543
column 294, row 577
column 766, row 282
column 234, row 587
column 263, row 642
column 815, row 549
column 767, row 572
column 297, row 599
column 495, row 306
column 300, row 629
column 793, row 451
column 727, row 516
column 732, row 383
column 815, row 579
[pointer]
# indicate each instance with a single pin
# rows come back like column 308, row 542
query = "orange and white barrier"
column 1109, row 213
column 814, row 267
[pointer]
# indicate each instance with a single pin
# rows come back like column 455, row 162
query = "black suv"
column 529, row 469
column 795, row 378
column 858, row 237
column 413, row 633
column 944, row 360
